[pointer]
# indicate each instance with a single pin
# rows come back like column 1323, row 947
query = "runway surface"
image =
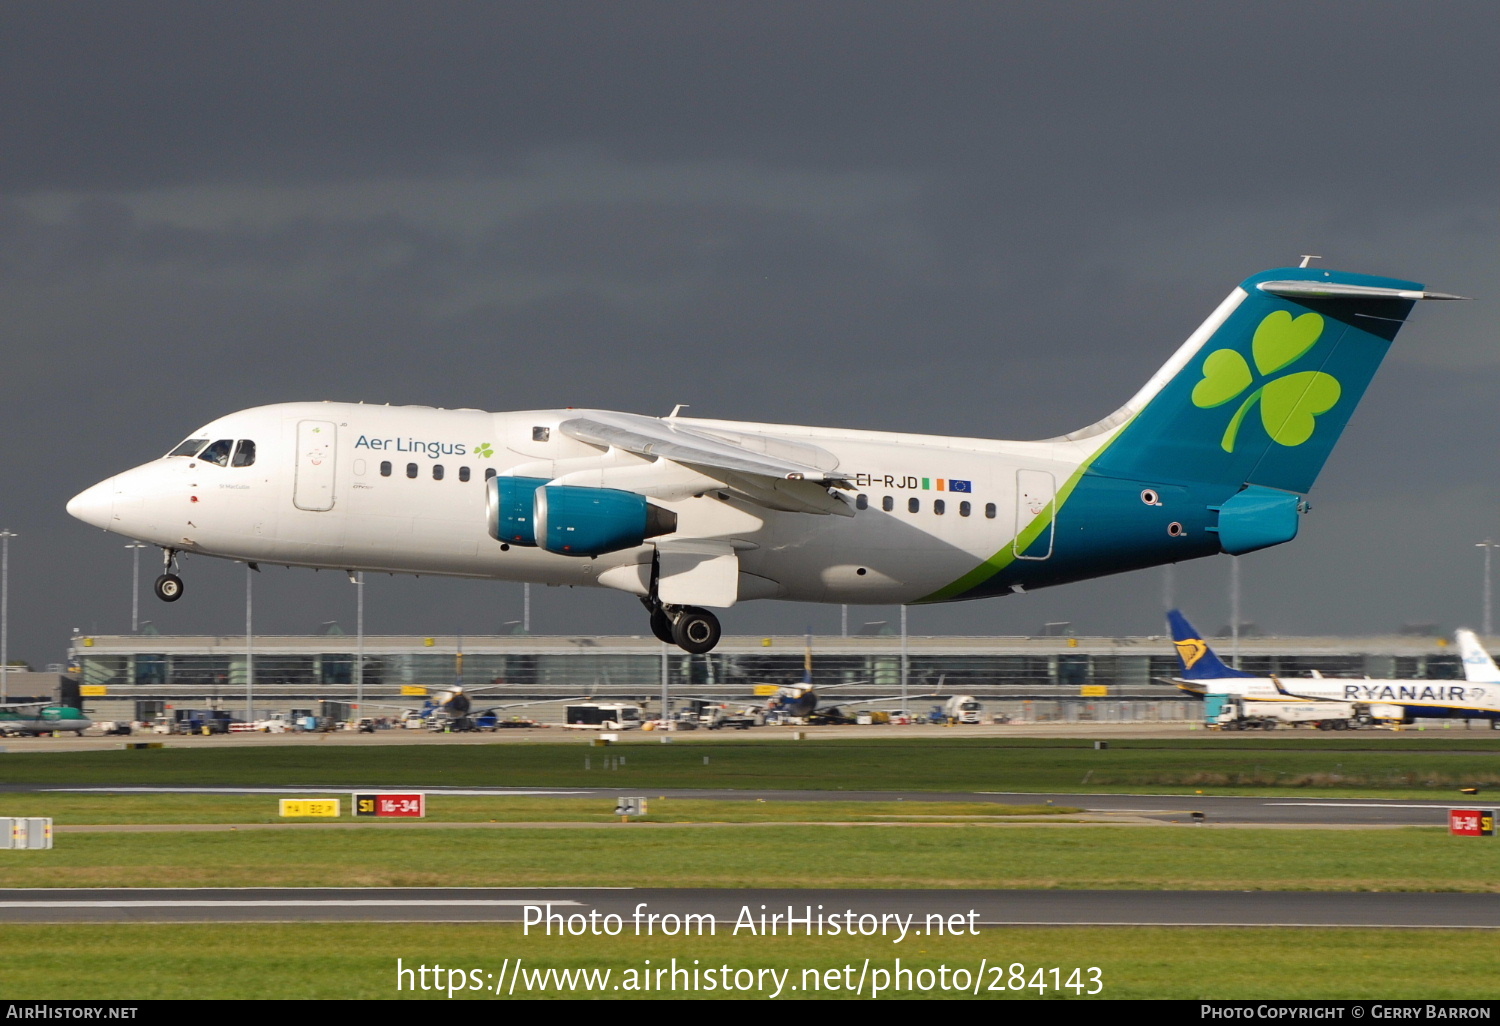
column 960, row 909
column 1285, row 810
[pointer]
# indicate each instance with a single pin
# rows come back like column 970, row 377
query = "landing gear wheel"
column 696, row 630
column 169, row 587
column 661, row 626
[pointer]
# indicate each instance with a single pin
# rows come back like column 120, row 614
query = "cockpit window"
column 244, row 454
column 189, row 447
column 218, row 452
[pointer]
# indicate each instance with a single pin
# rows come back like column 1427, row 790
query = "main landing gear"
column 691, row 629
column 168, row 586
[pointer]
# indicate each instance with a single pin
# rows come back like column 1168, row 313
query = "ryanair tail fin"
column 1193, row 654
column 1479, row 668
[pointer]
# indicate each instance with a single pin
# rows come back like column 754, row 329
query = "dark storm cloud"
column 992, row 219
column 1125, row 100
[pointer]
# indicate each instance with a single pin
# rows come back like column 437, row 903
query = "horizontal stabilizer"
column 1338, row 290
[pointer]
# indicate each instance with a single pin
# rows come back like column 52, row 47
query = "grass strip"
column 1397, row 767
column 358, row 960
column 950, row 855
column 76, row 809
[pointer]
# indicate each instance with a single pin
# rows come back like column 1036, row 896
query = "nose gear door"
column 317, row 445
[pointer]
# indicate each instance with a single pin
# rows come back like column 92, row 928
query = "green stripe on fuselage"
column 1006, row 556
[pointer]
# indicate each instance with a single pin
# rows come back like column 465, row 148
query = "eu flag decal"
column 960, row 486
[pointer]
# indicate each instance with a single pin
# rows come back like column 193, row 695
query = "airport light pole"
column 1489, row 606
column 1234, row 610
column 359, row 639
column 249, row 645
column 905, row 664
column 135, row 585
column 5, row 537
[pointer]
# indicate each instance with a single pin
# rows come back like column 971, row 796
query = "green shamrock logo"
column 483, row 450
column 1290, row 404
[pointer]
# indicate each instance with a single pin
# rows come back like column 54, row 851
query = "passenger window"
column 541, row 434
column 887, row 503
column 218, row 453
column 437, row 471
column 189, row 447
column 914, row 505
column 489, row 473
column 989, row 510
column 939, row 507
column 861, row 501
column 963, row 509
column 411, row 470
column 385, row 468
column 244, row 454
column 463, row 473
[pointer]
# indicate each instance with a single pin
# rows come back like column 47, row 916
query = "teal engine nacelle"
column 588, row 521
column 572, row 521
column 512, row 503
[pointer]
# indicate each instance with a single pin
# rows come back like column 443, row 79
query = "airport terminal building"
column 1066, row 678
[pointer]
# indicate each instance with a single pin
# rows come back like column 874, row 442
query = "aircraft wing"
column 777, row 473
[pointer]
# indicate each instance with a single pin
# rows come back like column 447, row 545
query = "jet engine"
column 575, row 521
column 511, row 502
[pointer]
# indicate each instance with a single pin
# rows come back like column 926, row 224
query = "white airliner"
column 1203, row 673
column 1212, row 455
column 1479, row 666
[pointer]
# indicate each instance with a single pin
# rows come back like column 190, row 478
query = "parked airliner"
column 1204, row 673
column 1213, row 454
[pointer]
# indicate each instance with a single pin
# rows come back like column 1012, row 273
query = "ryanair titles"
column 432, row 450
column 1416, row 691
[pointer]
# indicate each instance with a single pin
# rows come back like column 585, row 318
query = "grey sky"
column 991, row 219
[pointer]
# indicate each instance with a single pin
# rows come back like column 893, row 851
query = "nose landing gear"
column 168, row 586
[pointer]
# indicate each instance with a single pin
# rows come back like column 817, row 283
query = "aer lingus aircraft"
column 1213, row 454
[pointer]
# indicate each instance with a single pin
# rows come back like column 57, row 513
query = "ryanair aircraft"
column 1203, row 673
column 1213, row 454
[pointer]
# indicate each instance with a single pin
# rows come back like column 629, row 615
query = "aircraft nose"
column 95, row 505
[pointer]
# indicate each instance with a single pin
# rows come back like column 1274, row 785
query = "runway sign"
column 1471, row 822
column 399, row 805
column 309, row 806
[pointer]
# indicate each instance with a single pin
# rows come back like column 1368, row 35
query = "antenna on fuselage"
column 1308, row 258
column 675, row 409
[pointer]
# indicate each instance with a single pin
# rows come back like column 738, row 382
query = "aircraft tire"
column 168, row 587
column 661, row 626
column 696, row 630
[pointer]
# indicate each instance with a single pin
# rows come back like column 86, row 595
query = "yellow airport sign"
column 93, row 690
column 767, row 689
column 309, row 806
column 1094, row 691
column 413, row 689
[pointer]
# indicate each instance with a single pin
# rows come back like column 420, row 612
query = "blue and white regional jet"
column 1204, row 673
column 1213, row 454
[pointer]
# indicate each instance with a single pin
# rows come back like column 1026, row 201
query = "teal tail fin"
column 1262, row 391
